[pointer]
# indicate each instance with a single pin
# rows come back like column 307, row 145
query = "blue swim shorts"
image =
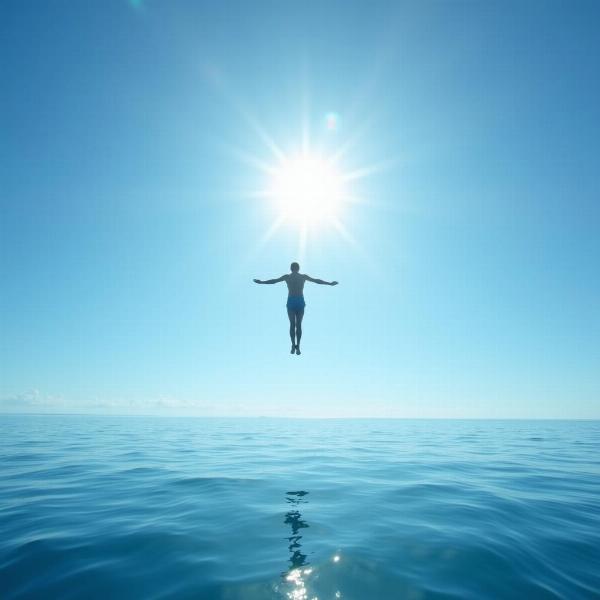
column 295, row 303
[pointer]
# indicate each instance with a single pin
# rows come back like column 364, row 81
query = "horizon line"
column 292, row 417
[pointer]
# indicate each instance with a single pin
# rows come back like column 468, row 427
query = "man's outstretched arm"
column 282, row 278
column 320, row 281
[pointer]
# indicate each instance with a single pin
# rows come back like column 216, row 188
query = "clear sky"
column 134, row 138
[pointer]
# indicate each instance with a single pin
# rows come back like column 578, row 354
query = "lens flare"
column 332, row 121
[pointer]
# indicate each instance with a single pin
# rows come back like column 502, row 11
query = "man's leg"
column 299, row 317
column 292, row 318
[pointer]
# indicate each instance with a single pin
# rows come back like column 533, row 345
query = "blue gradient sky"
column 128, row 238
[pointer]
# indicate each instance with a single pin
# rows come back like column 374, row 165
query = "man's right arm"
column 320, row 281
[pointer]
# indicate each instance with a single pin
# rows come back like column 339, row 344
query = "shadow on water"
column 299, row 567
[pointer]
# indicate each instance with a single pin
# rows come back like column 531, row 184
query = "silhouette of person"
column 295, row 302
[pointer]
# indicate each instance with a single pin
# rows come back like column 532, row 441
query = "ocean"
column 228, row 509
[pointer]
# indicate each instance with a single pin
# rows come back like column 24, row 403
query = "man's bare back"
column 295, row 283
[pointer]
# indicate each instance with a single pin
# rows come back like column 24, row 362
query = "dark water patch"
column 22, row 457
column 213, row 483
column 136, row 471
column 132, row 454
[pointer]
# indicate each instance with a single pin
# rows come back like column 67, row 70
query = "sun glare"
column 307, row 190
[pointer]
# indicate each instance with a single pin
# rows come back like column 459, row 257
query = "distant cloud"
column 222, row 405
column 30, row 400
column 33, row 401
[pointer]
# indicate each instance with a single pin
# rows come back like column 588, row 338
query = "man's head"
column 294, row 267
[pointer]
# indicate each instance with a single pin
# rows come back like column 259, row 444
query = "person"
column 295, row 302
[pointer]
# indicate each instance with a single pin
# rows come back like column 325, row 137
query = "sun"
column 307, row 189
column 306, row 185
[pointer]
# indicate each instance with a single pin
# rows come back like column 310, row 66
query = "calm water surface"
column 140, row 507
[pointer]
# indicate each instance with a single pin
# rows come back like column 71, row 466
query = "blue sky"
column 130, row 233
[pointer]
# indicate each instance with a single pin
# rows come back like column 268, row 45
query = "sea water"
column 148, row 507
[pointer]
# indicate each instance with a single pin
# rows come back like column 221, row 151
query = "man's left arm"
column 269, row 281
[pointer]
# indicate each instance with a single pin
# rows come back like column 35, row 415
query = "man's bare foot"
column 298, row 350
column 293, row 349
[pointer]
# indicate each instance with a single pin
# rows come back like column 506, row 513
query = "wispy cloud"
column 34, row 401
column 30, row 400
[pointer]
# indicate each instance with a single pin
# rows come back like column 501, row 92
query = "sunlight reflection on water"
column 299, row 571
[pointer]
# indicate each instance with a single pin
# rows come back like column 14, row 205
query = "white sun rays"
column 303, row 184
column 308, row 192
column 306, row 189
